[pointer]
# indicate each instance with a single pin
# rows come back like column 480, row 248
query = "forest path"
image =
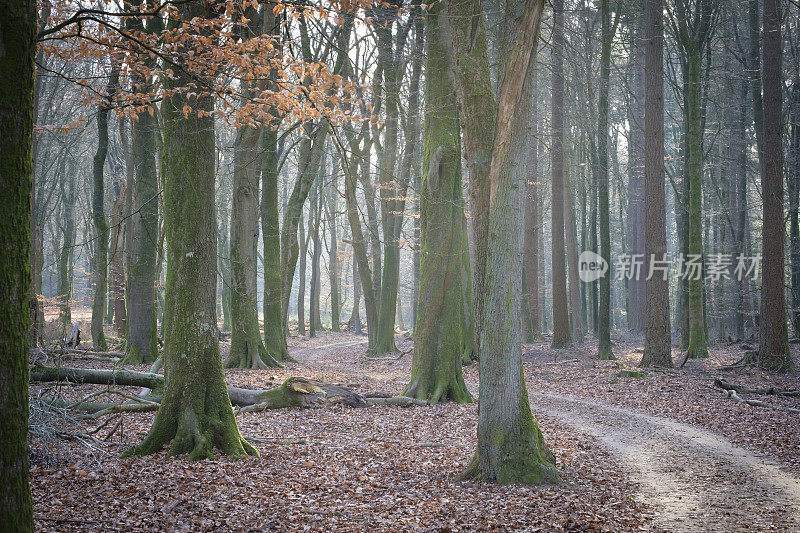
column 697, row 480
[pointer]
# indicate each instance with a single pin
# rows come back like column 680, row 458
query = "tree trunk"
column 195, row 413
column 531, row 260
column 572, row 260
column 355, row 315
column 604, row 305
column 142, row 251
column 247, row 349
column 773, row 346
column 117, row 290
column 444, row 332
column 18, row 42
column 561, row 334
column 793, row 181
column 393, row 188
column 315, row 207
column 657, row 342
column 636, row 166
column 100, row 259
column 697, row 332
column 301, row 277
column 66, row 254
column 511, row 449
column 334, row 268
column 274, row 327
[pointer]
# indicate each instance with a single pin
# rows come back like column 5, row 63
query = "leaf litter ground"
column 393, row 469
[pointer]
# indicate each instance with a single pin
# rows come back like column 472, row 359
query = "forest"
column 399, row 265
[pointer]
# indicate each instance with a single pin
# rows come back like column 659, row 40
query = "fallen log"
column 294, row 392
column 722, row 384
column 128, row 378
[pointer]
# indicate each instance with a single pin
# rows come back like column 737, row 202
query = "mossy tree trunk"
column 694, row 33
column 100, row 224
column 195, row 415
column 511, row 448
column 17, row 47
column 274, row 331
column 444, row 332
column 143, row 240
column 773, row 342
column 247, row 349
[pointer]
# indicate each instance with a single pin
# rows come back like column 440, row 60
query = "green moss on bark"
column 444, row 331
column 17, row 45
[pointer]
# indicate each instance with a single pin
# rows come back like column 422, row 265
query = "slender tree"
column 101, row 227
column 561, row 335
column 604, row 310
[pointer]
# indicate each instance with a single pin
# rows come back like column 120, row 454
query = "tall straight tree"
column 692, row 24
column 773, row 348
column 657, row 342
column 142, row 239
column 247, row 348
column 604, row 311
column 511, row 449
column 195, row 415
column 99, row 221
column 444, row 333
column 17, row 47
column 561, row 335
column 392, row 189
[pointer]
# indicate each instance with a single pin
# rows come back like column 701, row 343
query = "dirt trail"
column 697, row 480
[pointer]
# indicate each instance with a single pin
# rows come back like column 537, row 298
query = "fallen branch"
column 721, row 383
column 563, row 362
column 758, row 403
column 397, row 401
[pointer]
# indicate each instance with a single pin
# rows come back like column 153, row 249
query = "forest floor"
column 665, row 452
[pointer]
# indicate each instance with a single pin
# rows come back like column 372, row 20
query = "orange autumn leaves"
column 257, row 80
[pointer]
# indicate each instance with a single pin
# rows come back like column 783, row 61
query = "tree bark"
column 444, row 332
column 18, row 21
column 561, row 334
column 657, row 342
column 195, row 414
column 773, row 347
column 511, row 449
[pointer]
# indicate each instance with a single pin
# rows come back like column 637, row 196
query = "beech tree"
column 444, row 332
column 510, row 444
column 773, row 348
column 18, row 20
column 195, row 415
